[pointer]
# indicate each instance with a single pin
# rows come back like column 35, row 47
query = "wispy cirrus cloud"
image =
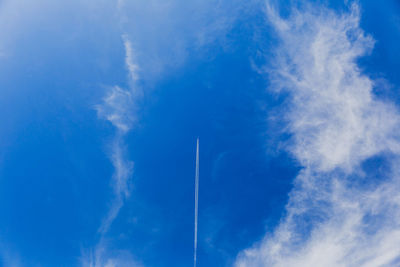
column 119, row 107
column 130, row 59
column 338, row 213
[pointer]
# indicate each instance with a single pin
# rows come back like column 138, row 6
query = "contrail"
column 196, row 203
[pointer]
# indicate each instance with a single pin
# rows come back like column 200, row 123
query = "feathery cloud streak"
column 118, row 108
column 337, row 214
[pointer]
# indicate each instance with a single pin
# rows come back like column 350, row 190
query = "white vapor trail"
column 196, row 204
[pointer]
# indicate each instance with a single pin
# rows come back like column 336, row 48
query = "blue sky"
column 295, row 103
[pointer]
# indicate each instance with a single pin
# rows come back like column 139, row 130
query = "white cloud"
column 337, row 215
column 335, row 119
column 122, row 173
column 119, row 107
column 133, row 68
